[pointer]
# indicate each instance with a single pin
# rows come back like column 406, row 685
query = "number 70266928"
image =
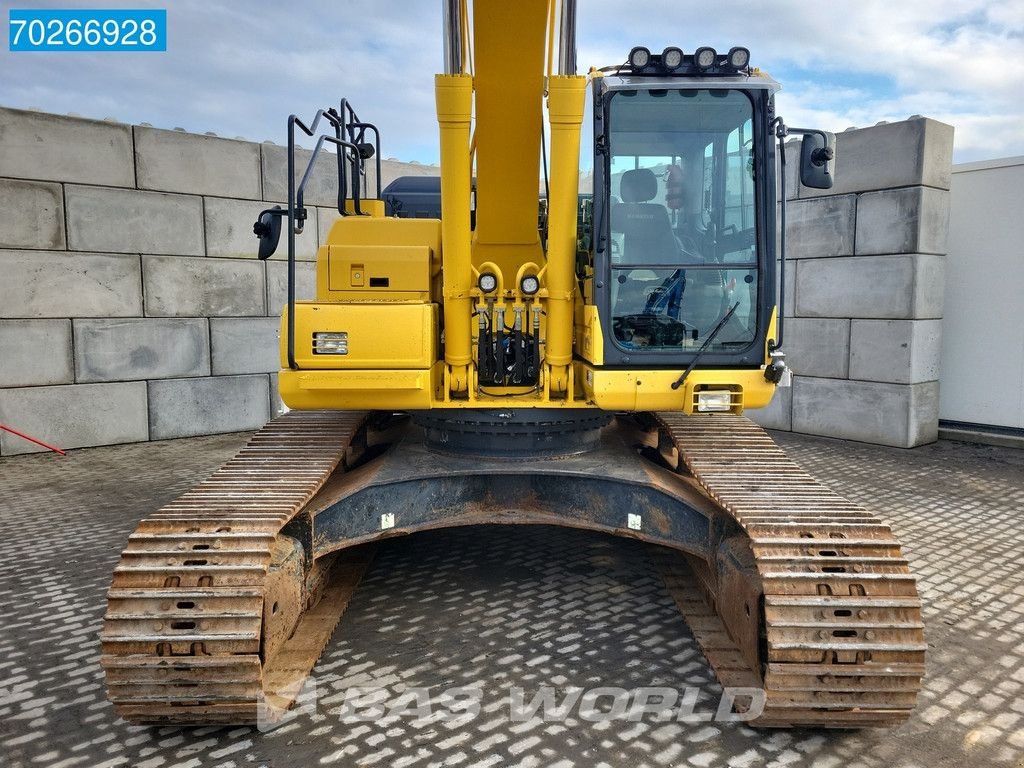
column 87, row 30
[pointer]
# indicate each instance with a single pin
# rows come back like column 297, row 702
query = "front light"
column 714, row 400
column 330, row 343
column 488, row 282
column 529, row 285
column 672, row 57
column 739, row 57
column 705, row 57
column 639, row 57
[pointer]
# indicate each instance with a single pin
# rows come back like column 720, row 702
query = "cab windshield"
column 682, row 219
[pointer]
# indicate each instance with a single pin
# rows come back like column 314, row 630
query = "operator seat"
column 648, row 236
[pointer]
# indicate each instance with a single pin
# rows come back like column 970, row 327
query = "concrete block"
column 172, row 161
column 907, row 287
column 31, row 215
column 322, row 188
column 277, row 284
column 823, row 227
column 245, row 345
column 187, row 407
column 46, row 284
column 129, row 221
column 903, row 154
column 790, row 297
column 897, row 351
column 908, row 220
column 229, row 231
column 35, row 353
column 885, row 414
column 818, row 346
column 180, row 287
column 277, row 406
column 74, row 416
column 34, row 145
column 778, row 414
column 145, row 348
column 929, row 286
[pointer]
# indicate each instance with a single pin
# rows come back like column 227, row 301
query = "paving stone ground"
column 490, row 611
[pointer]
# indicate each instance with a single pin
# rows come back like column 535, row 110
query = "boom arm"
column 508, row 83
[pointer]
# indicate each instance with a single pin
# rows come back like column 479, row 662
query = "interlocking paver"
column 501, row 609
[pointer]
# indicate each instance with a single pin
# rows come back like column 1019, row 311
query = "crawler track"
column 217, row 614
column 187, row 637
column 842, row 642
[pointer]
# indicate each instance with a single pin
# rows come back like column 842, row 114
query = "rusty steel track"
column 841, row 640
column 217, row 613
column 193, row 632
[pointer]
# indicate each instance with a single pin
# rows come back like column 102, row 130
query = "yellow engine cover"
column 398, row 271
column 368, row 259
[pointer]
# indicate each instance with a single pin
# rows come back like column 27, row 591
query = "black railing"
column 349, row 138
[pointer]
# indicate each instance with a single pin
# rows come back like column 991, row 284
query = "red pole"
column 32, row 439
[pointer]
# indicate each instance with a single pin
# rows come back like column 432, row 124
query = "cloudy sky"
column 239, row 68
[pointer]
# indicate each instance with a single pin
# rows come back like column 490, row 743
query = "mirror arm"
column 822, row 155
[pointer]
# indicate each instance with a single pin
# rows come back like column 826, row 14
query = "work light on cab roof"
column 703, row 61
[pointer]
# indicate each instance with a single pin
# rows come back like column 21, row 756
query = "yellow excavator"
column 527, row 359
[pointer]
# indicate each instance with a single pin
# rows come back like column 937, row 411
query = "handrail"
column 349, row 133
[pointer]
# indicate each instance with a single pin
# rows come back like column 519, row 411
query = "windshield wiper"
column 704, row 347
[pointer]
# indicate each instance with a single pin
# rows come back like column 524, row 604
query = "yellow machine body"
column 405, row 293
column 377, row 274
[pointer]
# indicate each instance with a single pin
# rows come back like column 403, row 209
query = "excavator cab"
column 684, row 193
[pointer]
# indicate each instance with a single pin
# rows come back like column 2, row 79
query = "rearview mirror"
column 817, row 159
column 268, row 229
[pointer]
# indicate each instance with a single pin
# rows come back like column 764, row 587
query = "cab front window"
column 682, row 219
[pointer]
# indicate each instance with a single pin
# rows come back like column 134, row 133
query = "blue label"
column 87, row 30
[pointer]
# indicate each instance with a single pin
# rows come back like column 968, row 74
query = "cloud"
column 856, row 63
column 240, row 69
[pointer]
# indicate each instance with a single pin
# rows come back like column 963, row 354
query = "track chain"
column 843, row 635
column 183, row 637
column 184, row 642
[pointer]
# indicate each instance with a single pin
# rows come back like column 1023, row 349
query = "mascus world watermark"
column 548, row 703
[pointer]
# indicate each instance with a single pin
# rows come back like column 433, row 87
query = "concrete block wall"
column 865, row 269
column 132, row 306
